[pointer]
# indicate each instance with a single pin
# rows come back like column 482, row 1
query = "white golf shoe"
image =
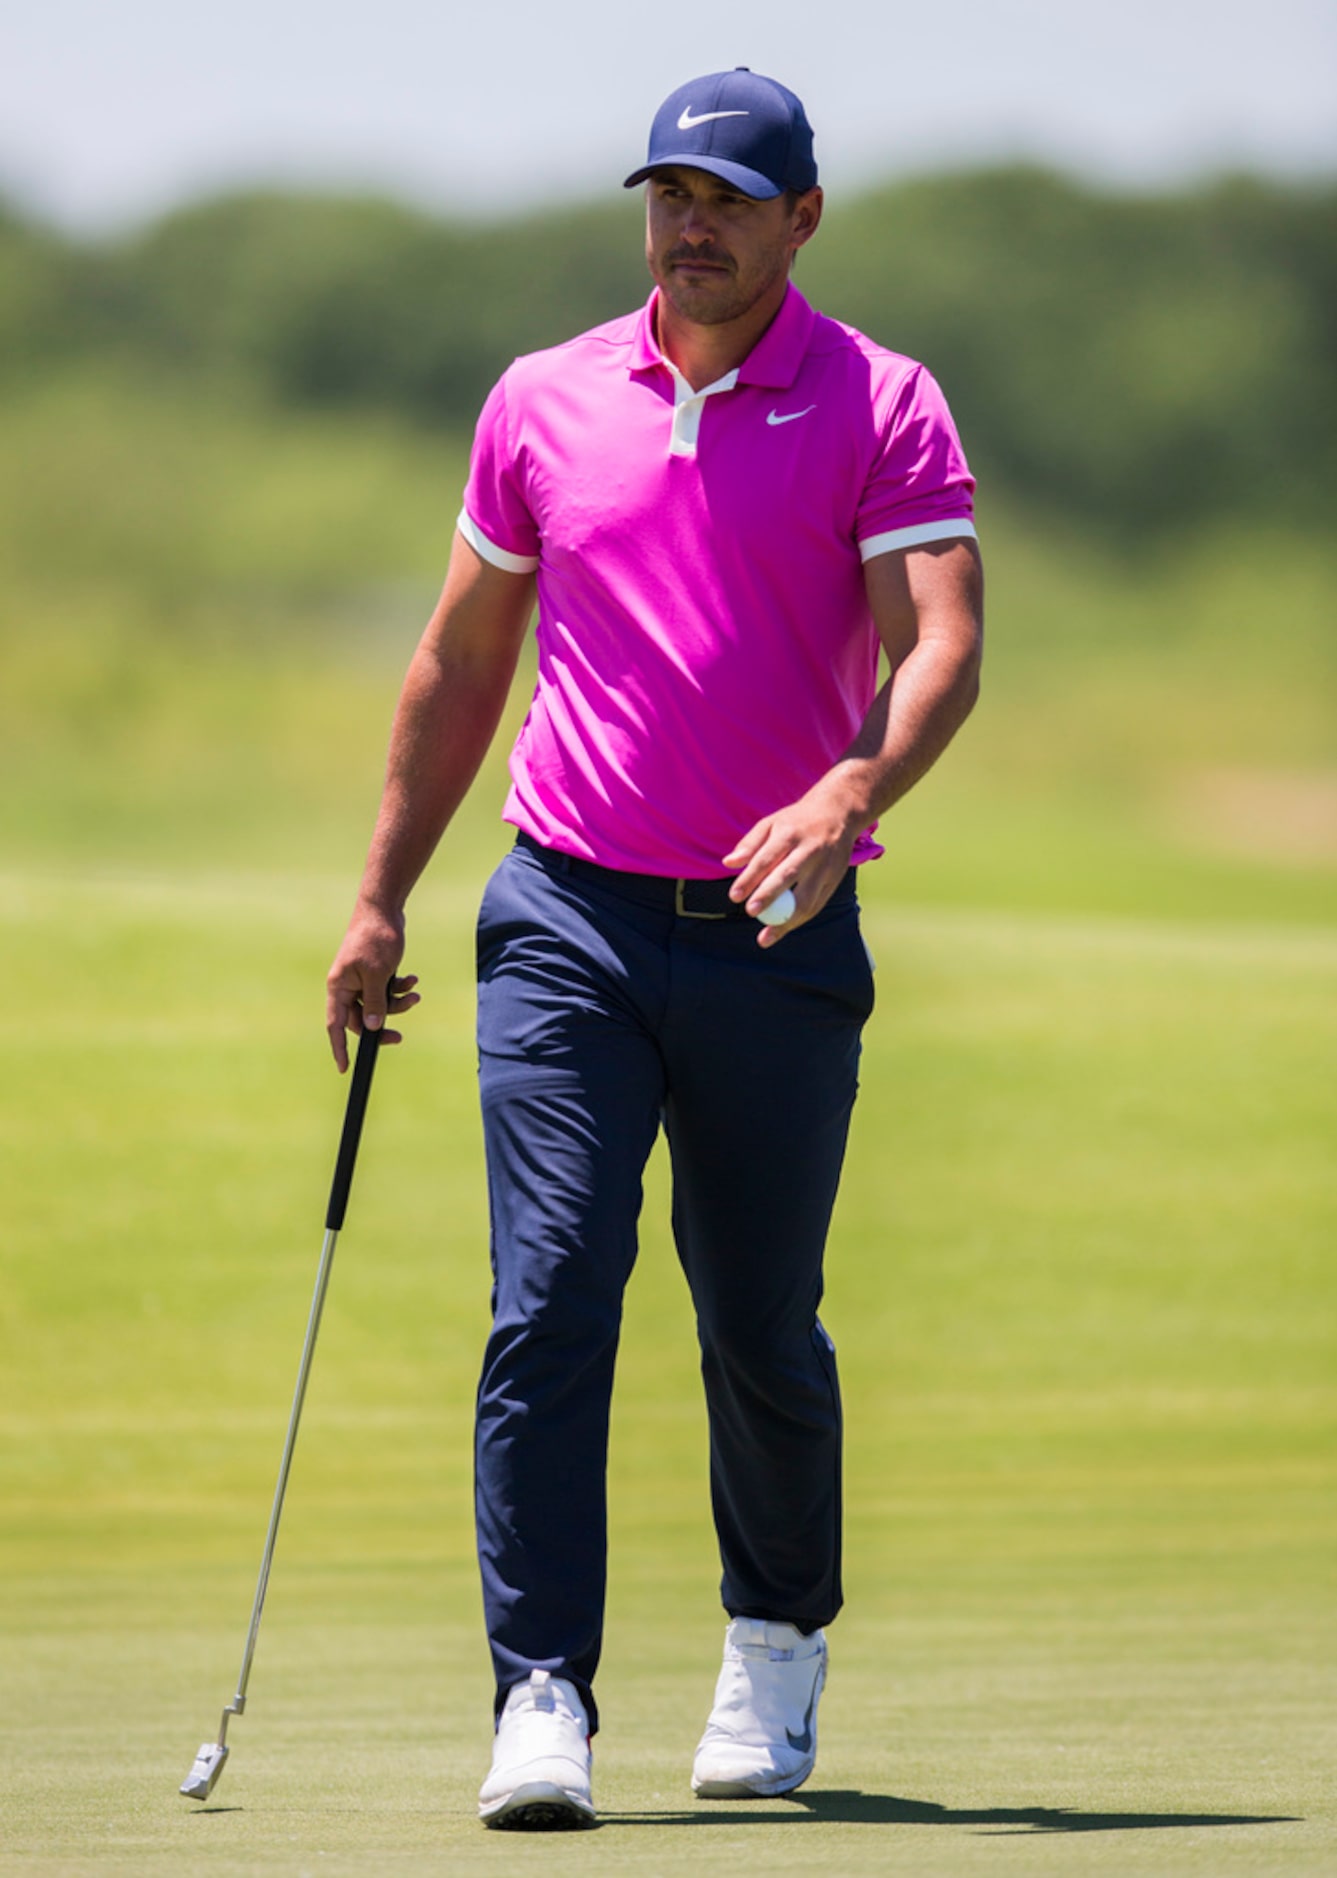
column 761, row 1739
column 540, row 1778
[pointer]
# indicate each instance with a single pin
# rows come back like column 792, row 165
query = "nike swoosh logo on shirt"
column 802, row 1744
column 774, row 417
column 688, row 122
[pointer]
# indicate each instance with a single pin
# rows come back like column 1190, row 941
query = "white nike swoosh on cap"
column 688, row 122
column 774, row 417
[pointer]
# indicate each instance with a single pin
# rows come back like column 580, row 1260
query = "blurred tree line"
column 1132, row 363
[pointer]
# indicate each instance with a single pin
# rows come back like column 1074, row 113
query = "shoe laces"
column 545, row 1700
column 765, row 1681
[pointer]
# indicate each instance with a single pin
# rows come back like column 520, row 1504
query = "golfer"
column 727, row 504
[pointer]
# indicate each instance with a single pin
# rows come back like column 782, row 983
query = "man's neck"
column 705, row 354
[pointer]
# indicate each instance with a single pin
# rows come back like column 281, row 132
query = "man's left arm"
column 928, row 605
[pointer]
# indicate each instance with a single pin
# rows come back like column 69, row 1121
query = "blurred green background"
column 233, row 446
column 1082, row 1278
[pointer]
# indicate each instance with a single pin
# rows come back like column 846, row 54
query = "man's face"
column 714, row 252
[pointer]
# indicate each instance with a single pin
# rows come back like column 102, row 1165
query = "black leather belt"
column 688, row 899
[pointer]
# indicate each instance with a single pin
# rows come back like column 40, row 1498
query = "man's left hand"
column 805, row 847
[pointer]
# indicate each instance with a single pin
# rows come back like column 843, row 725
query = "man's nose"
column 697, row 225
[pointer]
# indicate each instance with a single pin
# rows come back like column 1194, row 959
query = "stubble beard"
column 713, row 304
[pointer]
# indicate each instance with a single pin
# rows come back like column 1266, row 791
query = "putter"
column 204, row 1774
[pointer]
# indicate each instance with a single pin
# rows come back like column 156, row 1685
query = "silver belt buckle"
column 684, row 912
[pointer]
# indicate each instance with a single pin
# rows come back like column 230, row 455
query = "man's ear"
column 807, row 214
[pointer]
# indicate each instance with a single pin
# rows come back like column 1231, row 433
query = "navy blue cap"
column 742, row 127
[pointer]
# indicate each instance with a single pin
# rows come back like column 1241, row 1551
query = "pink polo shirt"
column 705, row 646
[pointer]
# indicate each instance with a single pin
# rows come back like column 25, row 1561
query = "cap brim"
column 751, row 182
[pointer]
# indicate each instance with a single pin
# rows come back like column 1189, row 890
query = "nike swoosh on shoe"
column 802, row 1744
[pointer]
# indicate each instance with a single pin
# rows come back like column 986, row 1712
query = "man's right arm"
column 448, row 712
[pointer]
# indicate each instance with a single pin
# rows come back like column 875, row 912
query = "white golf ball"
column 781, row 909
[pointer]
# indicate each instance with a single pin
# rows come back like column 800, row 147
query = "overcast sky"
column 112, row 109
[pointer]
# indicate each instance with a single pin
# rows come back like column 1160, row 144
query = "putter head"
column 200, row 1782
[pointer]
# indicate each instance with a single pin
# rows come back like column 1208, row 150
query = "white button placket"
column 688, row 406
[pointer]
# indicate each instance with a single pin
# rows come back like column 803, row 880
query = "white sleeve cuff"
column 915, row 536
column 490, row 552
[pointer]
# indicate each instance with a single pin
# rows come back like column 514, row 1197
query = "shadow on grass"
column 884, row 1809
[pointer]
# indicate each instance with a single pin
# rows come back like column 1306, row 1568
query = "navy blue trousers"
column 604, row 1012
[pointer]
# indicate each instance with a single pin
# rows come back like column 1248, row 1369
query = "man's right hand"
column 360, row 990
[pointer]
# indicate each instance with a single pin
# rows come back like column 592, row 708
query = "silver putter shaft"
column 203, row 1777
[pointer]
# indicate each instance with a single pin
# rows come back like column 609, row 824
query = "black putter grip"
column 354, row 1115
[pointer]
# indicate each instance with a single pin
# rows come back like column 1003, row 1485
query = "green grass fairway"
column 1083, row 1289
